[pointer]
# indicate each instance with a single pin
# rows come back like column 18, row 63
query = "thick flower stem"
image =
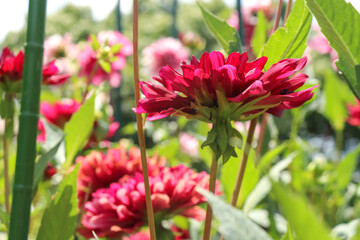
column 277, row 16
column 140, row 128
column 28, row 121
column 243, row 163
column 212, row 184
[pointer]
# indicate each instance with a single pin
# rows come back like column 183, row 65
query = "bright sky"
column 13, row 12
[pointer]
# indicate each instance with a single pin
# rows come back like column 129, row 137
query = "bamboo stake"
column 29, row 116
column 140, row 128
column 212, row 184
column 277, row 16
column 243, row 163
column 287, row 11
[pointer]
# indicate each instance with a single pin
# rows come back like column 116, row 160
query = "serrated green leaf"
column 43, row 160
column 234, row 225
column 303, row 219
column 226, row 35
column 260, row 34
column 346, row 168
column 289, row 42
column 60, row 218
column 334, row 17
column 78, row 129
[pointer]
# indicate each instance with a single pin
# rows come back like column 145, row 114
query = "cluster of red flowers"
column 111, row 189
column 11, row 71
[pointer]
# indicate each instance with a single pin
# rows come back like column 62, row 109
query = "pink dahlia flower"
column 354, row 114
column 121, row 208
column 165, row 51
column 88, row 58
column 60, row 113
column 219, row 90
column 229, row 88
column 99, row 170
column 11, row 71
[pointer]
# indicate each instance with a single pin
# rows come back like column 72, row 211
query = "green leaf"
column 95, row 43
column 340, row 23
column 60, row 218
column 226, row 35
column 116, row 48
column 105, row 66
column 234, row 225
column 336, row 94
column 43, row 160
column 260, row 34
column 4, row 218
column 303, row 219
column 78, row 129
column 289, row 42
column 346, row 168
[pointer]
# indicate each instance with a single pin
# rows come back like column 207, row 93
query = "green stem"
column 243, row 163
column 29, row 116
column 139, row 122
column 339, row 143
column 212, row 185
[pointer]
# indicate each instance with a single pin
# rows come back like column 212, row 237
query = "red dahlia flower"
column 99, row 170
column 121, row 208
column 354, row 114
column 220, row 90
column 11, row 71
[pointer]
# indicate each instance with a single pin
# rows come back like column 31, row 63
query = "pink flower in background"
column 319, row 43
column 41, row 137
column 189, row 144
column 63, row 50
column 354, row 114
column 88, row 59
column 142, row 235
column 60, row 112
column 99, row 170
column 231, row 88
column 121, row 208
column 51, row 76
column 191, row 40
column 164, row 52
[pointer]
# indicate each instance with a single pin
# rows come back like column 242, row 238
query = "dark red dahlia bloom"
column 354, row 114
column 220, row 90
column 99, row 170
column 231, row 88
column 121, row 208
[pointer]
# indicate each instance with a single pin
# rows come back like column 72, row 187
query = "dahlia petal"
column 217, row 60
column 255, row 89
column 205, row 63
